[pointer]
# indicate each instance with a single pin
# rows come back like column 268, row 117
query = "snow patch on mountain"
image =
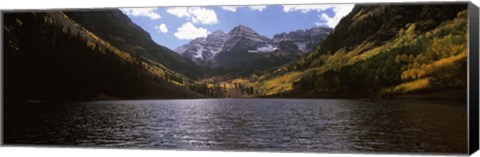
column 204, row 50
column 199, row 55
column 265, row 49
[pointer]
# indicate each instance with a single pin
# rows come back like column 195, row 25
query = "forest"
column 426, row 55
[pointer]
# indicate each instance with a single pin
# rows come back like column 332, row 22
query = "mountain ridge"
column 204, row 51
column 131, row 38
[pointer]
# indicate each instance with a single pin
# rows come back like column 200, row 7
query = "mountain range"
column 374, row 50
column 217, row 49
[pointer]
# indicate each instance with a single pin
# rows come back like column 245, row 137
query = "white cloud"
column 203, row 16
column 146, row 12
column 178, row 11
column 257, row 7
column 305, row 8
column 230, row 8
column 188, row 31
column 339, row 10
column 162, row 28
column 252, row 7
column 195, row 14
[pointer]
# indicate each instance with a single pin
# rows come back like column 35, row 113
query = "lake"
column 306, row 125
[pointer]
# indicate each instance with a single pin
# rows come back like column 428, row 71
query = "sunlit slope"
column 380, row 51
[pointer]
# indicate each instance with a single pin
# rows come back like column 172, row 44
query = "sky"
column 175, row 26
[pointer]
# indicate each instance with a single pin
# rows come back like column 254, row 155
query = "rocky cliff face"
column 304, row 39
column 215, row 42
column 202, row 51
column 245, row 34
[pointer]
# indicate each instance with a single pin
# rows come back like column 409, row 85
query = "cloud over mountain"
column 146, row 12
column 188, row 31
column 162, row 28
column 198, row 15
column 338, row 10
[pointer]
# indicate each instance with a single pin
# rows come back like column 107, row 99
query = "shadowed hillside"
column 49, row 57
column 117, row 29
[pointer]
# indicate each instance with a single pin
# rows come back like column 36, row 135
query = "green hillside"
column 381, row 51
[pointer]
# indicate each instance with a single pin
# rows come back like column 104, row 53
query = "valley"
column 385, row 51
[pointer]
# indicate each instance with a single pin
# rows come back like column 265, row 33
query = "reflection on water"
column 244, row 124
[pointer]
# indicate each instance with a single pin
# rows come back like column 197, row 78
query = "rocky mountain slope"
column 218, row 48
column 203, row 50
column 305, row 40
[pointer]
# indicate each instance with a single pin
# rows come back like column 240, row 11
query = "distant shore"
column 444, row 95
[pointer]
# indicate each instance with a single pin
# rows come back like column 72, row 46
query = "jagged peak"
column 219, row 31
column 199, row 39
column 241, row 29
column 320, row 28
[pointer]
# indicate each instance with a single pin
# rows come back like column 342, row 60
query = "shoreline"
column 447, row 95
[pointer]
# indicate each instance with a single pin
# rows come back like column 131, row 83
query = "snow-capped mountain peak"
column 203, row 51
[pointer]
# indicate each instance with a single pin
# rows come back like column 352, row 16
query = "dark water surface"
column 311, row 125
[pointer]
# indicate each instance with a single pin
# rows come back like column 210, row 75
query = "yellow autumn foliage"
column 413, row 85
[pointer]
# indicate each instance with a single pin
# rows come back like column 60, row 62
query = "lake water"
column 307, row 125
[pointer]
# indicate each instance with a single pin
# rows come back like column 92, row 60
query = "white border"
column 84, row 152
column 49, row 4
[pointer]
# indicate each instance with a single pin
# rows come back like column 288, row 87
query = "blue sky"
column 176, row 26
